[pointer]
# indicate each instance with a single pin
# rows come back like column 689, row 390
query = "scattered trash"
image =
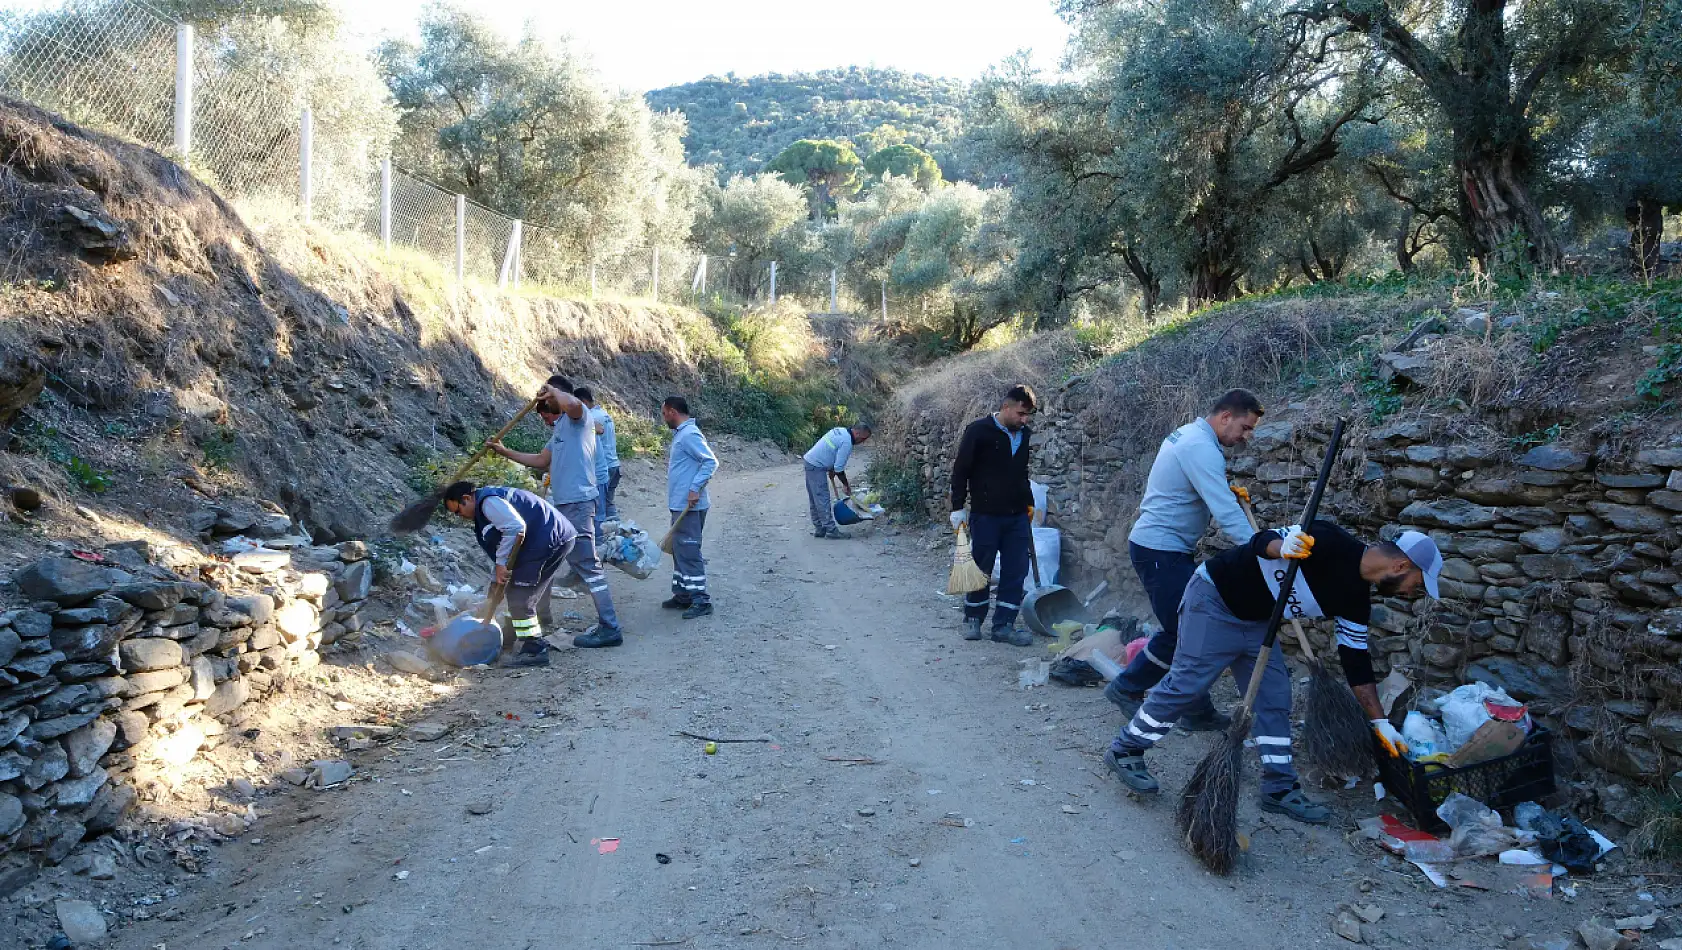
column 934, row 791
column 1070, row 810
column 1033, row 673
column 1477, row 828
column 916, row 862
column 605, row 845
column 1562, row 839
column 1643, row 923
column 632, row 550
column 663, row 858
column 1522, row 858
column 710, row 748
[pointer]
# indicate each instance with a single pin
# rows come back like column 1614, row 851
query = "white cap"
column 1422, row 551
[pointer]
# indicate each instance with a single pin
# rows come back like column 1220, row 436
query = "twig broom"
column 966, row 576
column 1208, row 812
column 415, row 517
column 1336, row 736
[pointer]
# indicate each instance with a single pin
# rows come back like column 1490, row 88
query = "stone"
column 361, row 731
column 1555, row 458
column 1346, row 925
column 229, row 695
column 77, row 672
column 1522, row 682
column 43, row 729
column 328, row 772
column 67, row 581
column 104, row 609
column 1442, row 655
column 137, row 683
column 202, row 679
column 297, row 620
column 64, row 701
column 351, row 551
column 1401, row 431
column 76, row 792
column 1666, row 728
column 10, row 645
column 207, row 639
column 109, row 807
column 1414, row 476
column 1404, row 369
column 262, row 562
column 1460, row 569
column 1635, row 519
column 11, row 815
column 1270, row 436
column 1668, row 500
column 1529, row 517
column 314, row 585
column 96, row 640
column 1660, row 458
column 13, row 765
column 47, row 768
column 1426, row 454
column 1547, row 637
column 406, row 662
column 1454, row 513
column 85, row 746
column 81, row 921
column 131, row 729
column 1597, row 936
column 1545, row 540
column 264, row 638
column 144, row 655
column 1492, row 549
column 12, row 726
column 29, row 624
column 358, row 580
column 152, row 596
column 1629, row 480
column 1284, row 472
column 294, row 776
column 427, row 731
column 1624, row 758
column 1472, row 456
column 36, row 664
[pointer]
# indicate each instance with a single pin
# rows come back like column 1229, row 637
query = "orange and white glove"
column 1298, row 544
column 959, row 519
column 1241, row 493
column 1393, row 741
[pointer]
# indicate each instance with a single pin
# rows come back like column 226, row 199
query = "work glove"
column 1241, row 493
column 1393, row 741
column 959, row 519
column 1298, row 544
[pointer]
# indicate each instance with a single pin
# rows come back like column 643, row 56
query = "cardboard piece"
column 1492, row 740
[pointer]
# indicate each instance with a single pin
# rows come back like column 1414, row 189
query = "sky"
column 645, row 44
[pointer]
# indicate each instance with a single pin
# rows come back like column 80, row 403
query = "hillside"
column 739, row 124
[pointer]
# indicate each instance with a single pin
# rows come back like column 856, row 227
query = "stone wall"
column 120, row 669
column 1561, row 581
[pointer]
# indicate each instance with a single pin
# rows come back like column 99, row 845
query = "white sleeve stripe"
column 1351, row 634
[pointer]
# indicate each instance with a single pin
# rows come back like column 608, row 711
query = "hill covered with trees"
column 740, row 124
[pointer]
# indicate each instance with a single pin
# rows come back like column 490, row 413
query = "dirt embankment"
column 154, row 349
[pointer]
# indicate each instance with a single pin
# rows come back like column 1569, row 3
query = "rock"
column 1414, row 476
column 1532, row 942
column 229, row 695
column 485, row 806
column 313, row 585
column 294, row 776
column 76, row 792
column 1547, row 637
column 1555, row 458
column 1442, row 655
column 1632, row 518
column 1346, row 925
column 109, row 807
column 1629, row 480
column 149, row 653
column 202, row 679
column 85, row 746
column 1371, row 913
column 1401, row 431
column 1661, row 458
column 131, row 729
column 102, row 867
column 43, row 729
column 263, row 638
column 12, row 726
column 328, row 772
column 10, row 644
column 85, row 643
column 351, row 551
column 361, row 731
column 1449, row 513
column 1644, row 922
column 1668, row 500
column 405, row 662
column 1546, row 540
column 427, row 731
column 36, row 665
column 1597, row 936
column 104, row 609
column 136, row 684
column 1624, row 758
column 297, row 620
column 67, row 581
column 356, row 582
column 63, row 701
column 1272, row 435
column 13, row 764
column 81, row 921
column 11, row 815
column 262, row 562
column 1520, row 681
column 149, row 596
column 48, row 767
column 1401, row 368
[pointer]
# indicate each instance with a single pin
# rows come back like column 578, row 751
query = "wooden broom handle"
column 493, row 598
column 473, row 459
column 1296, row 626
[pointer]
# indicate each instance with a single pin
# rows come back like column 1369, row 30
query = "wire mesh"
column 488, row 234
column 423, row 218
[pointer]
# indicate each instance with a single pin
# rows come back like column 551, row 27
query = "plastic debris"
column 605, row 845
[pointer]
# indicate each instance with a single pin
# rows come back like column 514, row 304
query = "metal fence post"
column 698, row 285
column 592, row 281
column 832, row 290
column 655, row 282
column 773, row 283
column 306, row 145
column 183, row 89
column 884, row 301
column 461, row 238
column 509, row 256
column 385, row 204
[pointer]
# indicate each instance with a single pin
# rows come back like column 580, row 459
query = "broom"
column 666, row 544
column 415, row 517
column 1336, row 735
column 1208, row 811
column 966, row 576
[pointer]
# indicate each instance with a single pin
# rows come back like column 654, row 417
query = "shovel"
column 1047, row 606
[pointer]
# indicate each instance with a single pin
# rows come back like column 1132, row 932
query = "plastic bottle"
column 1106, row 667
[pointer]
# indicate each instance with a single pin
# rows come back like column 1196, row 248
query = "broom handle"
column 493, row 599
column 1296, row 626
column 1292, row 565
column 473, row 459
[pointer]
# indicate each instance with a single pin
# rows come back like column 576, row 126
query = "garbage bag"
column 1477, row 828
column 1561, row 839
column 1048, row 549
column 635, row 553
column 1463, row 711
column 1424, row 737
column 1075, row 672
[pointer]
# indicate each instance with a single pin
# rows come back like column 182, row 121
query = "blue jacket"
column 689, row 466
column 548, row 532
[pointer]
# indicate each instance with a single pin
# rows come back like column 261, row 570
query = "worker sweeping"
column 1186, row 488
column 991, row 474
column 690, row 465
column 505, row 519
column 570, row 458
column 1224, row 619
column 827, row 458
column 607, row 458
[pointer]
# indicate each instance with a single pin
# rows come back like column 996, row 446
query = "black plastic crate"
column 1526, row 775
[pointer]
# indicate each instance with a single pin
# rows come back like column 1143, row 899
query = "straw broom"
column 1336, row 735
column 418, row 513
column 966, row 576
column 1208, row 810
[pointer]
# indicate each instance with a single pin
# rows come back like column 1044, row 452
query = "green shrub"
column 898, row 484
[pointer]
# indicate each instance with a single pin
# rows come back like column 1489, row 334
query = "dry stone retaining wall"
column 1563, row 572
column 118, row 671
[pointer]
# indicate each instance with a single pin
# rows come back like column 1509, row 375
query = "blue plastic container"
column 844, row 513
column 465, row 641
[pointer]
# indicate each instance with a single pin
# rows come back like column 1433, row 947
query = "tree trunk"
column 1646, row 231
column 1502, row 221
column 1214, row 267
column 1404, row 247
column 1150, row 285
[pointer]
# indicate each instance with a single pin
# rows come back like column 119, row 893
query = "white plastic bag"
column 1424, row 737
column 1048, row 550
column 1041, row 492
column 1463, row 711
column 635, row 553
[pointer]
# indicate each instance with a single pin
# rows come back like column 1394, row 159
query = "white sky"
column 646, row 44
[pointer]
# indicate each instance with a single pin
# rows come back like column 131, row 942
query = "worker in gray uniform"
column 825, row 460
column 1224, row 618
column 570, row 458
column 503, row 518
column 1186, row 488
column 690, row 465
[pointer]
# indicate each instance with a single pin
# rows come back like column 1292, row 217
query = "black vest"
column 548, row 532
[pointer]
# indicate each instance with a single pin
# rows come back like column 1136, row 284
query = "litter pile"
column 629, row 548
column 1474, row 723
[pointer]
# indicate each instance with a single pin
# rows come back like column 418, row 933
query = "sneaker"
column 817, row 532
column 533, row 651
column 1208, row 720
column 1128, row 700
column 972, row 628
column 1015, row 636
column 698, row 610
column 600, row 637
column 674, row 604
column 834, row 534
column 1292, row 803
column 1130, row 768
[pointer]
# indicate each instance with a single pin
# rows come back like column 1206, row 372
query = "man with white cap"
column 1223, row 620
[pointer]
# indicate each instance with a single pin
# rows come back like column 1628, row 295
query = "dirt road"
column 911, row 795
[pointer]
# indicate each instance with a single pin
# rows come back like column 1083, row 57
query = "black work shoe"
column 817, row 532
column 1130, row 768
column 1292, row 803
column 698, row 610
column 672, row 603
column 1021, row 637
column 533, row 651
column 1000, row 634
column 600, row 637
column 1208, row 720
column 1128, row 700
column 834, row 534
column 972, row 628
